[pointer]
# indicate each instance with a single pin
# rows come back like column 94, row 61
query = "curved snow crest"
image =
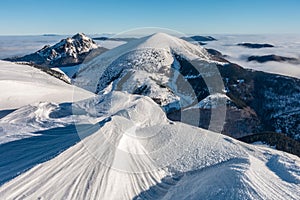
column 123, row 159
column 28, row 120
column 136, row 108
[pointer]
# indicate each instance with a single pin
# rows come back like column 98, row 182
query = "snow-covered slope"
column 136, row 153
column 21, row 85
column 155, row 51
column 145, row 66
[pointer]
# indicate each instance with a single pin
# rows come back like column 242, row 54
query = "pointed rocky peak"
column 69, row 51
column 82, row 37
column 80, row 42
column 79, row 36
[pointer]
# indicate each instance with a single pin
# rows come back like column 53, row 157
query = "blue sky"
column 30, row 17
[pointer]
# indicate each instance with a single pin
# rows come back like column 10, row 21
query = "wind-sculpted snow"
column 27, row 121
column 23, row 89
column 136, row 153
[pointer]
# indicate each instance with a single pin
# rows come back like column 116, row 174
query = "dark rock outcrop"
column 255, row 45
column 199, row 38
column 275, row 58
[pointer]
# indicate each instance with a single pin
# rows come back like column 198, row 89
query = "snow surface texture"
column 27, row 121
column 25, row 86
column 22, row 85
column 138, row 154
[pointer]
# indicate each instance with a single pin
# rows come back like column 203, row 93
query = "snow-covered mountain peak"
column 81, row 36
column 149, row 66
column 73, row 46
column 160, row 48
column 159, row 40
column 171, row 43
column 70, row 51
